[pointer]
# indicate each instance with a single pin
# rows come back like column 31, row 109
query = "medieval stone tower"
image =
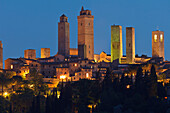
column 63, row 36
column 85, row 34
column 157, row 43
column 116, row 42
column 30, row 53
column 1, row 55
column 130, row 45
column 45, row 52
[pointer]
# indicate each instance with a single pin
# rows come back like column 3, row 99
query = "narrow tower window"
column 155, row 38
column 161, row 37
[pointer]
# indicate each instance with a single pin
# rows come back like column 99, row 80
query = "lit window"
column 155, row 38
column 75, row 64
column 87, row 75
column 62, row 77
column 11, row 66
column 161, row 37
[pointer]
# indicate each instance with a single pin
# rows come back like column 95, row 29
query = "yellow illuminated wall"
column 116, row 42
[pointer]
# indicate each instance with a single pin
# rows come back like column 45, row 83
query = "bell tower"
column 158, row 44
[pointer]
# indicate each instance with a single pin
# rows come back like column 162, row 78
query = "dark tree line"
column 124, row 94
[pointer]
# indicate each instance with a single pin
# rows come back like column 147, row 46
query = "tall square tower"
column 158, row 44
column 1, row 55
column 85, row 34
column 130, row 45
column 116, row 42
column 63, row 36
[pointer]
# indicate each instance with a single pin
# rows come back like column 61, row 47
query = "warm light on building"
column 75, row 65
column 5, row 94
column 62, row 77
column 155, row 38
column 161, row 37
column 87, row 75
column 58, row 94
column 12, row 66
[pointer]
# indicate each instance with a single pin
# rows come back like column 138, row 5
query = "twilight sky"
column 33, row 24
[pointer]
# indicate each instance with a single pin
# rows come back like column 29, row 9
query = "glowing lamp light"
column 128, row 86
column 62, row 77
column 5, row 94
column 76, row 65
column 165, row 97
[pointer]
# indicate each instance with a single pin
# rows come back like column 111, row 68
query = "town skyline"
column 49, row 40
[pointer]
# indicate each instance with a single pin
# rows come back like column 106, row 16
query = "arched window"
column 155, row 38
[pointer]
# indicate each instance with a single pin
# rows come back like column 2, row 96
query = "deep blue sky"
column 32, row 24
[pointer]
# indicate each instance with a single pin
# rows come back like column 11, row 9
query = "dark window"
column 129, row 44
column 89, row 52
column 81, row 24
column 89, row 46
column 89, row 24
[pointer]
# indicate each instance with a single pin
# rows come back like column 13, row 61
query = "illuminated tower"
column 85, row 34
column 1, row 55
column 157, row 43
column 63, row 36
column 130, row 45
column 45, row 52
column 30, row 53
column 116, row 42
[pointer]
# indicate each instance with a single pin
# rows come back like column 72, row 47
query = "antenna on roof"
column 157, row 28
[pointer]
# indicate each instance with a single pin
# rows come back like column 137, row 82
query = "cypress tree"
column 139, row 81
column 153, row 82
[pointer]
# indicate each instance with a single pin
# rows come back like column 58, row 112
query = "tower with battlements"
column 157, row 43
column 85, row 34
column 116, row 42
column 63, row 36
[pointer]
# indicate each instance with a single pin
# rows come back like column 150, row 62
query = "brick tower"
column 130, row 45
column 158, row 44
column 1, row 55
column 116, row 42
column 63, row 36
column 85, row 34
